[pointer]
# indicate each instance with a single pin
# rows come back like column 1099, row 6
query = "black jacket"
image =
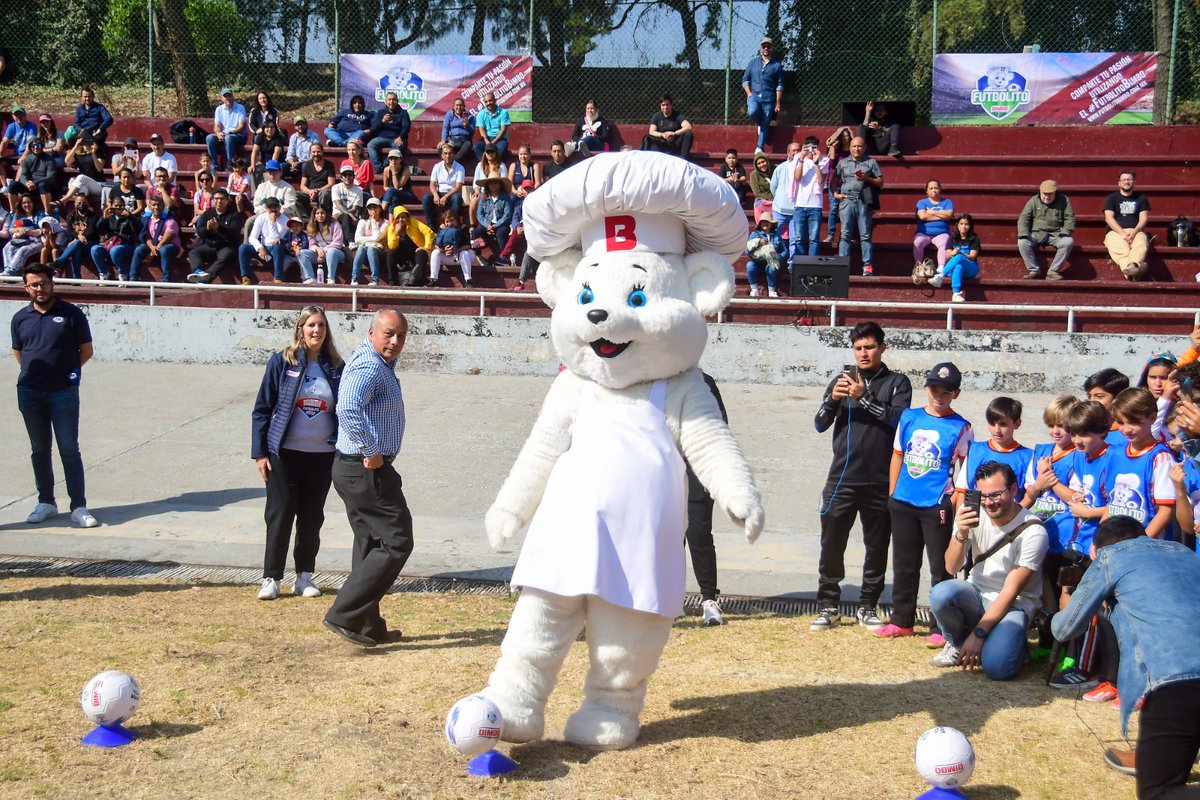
column 865, row 429
column 228, row 232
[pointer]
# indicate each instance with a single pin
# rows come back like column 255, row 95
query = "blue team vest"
column 1129, row 483
column 1049, row 507
column 1088, row 477
column 928, row 446
column 982, row 452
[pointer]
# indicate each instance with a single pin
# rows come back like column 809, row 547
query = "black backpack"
column 186, row 131
column 1181, row 232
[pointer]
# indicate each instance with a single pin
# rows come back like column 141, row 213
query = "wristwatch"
column 980, row 633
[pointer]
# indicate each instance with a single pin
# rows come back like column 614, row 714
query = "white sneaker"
column 269, row 590
column 304, row 586
column 772, row 293
column 308, row 281
column 569, row 149
column 937, row 280
column 42, row 512
column 83, row 518
column 712, row 613
column 948, row 657
column 754, row 290
column 958, row 297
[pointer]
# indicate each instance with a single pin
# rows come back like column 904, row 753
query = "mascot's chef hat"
column 650, row 202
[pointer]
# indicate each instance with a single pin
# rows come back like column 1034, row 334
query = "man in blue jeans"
column 985, row 618
column 763, row 84
column 858, row 176
column 51, row 341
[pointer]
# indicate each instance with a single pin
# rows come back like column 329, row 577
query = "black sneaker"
column 1073, row 678
column 827, row 618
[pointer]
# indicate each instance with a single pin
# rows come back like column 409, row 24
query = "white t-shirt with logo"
column 1027, row 551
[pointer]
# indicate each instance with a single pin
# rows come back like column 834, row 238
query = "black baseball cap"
column 945, row 375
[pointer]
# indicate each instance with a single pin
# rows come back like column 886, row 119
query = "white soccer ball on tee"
column 944, row 757
column 110, row 698
column 473, row 725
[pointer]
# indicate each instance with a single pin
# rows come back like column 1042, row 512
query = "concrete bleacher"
column 989, row 171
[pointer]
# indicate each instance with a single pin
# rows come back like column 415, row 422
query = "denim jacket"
column 277, row 400
column 1156, row 614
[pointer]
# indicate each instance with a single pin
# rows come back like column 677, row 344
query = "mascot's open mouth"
column 606, row 349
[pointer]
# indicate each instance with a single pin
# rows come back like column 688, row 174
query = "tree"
column 383, row 26
column 694, row 35
column 187, row 67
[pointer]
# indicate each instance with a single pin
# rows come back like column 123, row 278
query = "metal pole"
column 935, row 26
column 1170, row 106
column 337, row 58
column 150, row 52
column 529, row 36
column 729, row 57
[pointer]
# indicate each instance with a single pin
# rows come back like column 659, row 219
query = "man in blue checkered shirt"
column 370, row 412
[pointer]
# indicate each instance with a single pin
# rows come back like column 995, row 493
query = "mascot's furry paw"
column 601, row 728
column 747, row 512
column 501, row 526
column 520, row 723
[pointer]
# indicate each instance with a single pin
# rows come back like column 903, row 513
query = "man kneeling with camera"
column 985, row 618
column 1149, row 586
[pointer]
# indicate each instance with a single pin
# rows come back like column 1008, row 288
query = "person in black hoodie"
column 863, row 405
column 218, row 234
column 349, row 124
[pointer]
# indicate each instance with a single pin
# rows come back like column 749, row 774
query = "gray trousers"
column 1061, row 244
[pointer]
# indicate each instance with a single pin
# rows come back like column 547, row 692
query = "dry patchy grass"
column 249, row 699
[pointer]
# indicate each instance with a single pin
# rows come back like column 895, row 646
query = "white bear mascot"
column 636, row 250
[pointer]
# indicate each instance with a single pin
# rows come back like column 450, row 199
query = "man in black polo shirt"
column 51, row 341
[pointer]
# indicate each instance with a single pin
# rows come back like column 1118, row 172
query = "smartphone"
column 851, row 371
column 972, row 500
column 131, row 153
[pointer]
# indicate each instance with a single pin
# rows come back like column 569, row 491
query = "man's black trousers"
column 838, row 510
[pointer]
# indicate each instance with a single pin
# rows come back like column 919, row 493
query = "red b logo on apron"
column 619, row 233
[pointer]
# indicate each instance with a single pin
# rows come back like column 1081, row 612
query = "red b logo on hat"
column 619, row 233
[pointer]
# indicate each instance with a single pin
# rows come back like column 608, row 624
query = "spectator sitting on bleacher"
column 934, row 215
column 347, row 201
column 409, row 243
column 349, row 124
column 457, row 129
column 295, row 243
column 129, row 193
column 590, row 133
column 119, row 232
column 389, row 130
column 369, row 242
column 274, row 187
column 36, row 175
column 92, row 117
column 19, row 133
column 766, row 250
column 446, row 180
column 206, row 168
column 963, row 264
column 494, row 215
column 81, row 223
column 265, row 241
column 218, row 234
column 514, row 251
column 22, row 236
column 125, row 158
column 490, row 166
column 364, row 170
column 1126, row 213
column 881, row 135
column 268, row 145
column 317, row 178
column 491, row 123
column 1047, row 219
column 523, row 174
column 229, row 130
column 396, row 179
column 52, row 141
column 670, row 131
column 733, row 173
column 84, row 156
column 760, row 185
column 299, row 148
column 262, row 112
column 450, row 244
column 202, row 200
column 164, row 187
column 558, row 160
column 157, row 157
column 326, row 245
column 238, row 185
column 160, row 237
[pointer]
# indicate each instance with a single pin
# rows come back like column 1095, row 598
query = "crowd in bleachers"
column 80, row 202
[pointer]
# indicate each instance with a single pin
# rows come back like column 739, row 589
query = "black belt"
column 358, row 457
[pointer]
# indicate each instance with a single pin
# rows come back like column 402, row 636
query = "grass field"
column 242, row 698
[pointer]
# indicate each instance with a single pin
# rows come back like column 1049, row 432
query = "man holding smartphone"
column 985, row 618
column 862, row 404
column 858, row 196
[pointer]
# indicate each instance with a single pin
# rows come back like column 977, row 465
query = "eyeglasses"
column 993, row 496
column 37, row 285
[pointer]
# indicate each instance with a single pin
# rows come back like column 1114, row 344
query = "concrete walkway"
column 166, row 448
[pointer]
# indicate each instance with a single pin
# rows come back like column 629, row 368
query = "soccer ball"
column 110, row 698
column 944, row 757
column 473, row 725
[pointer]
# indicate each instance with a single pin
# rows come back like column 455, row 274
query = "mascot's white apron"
column 611, row 522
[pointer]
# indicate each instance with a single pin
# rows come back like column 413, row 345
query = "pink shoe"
column 891, row 631
column 518, row 287
column 935, row 641
column 1103, row 693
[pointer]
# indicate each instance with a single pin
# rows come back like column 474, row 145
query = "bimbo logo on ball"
column 999, row 92
column 408, row 86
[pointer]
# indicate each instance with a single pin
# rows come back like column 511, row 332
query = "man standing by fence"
column 763, row 84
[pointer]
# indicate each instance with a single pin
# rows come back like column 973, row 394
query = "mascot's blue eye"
column 636, row 299
column 586, row 296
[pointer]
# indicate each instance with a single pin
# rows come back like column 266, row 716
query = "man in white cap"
column 763, row 83
column 636, row 250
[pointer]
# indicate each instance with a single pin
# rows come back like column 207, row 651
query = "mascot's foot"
column 521, row 723
column 601, row 728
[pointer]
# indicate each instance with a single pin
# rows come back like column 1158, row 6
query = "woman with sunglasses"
column 294, row 429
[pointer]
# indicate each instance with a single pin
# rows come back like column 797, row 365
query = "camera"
column 1071, row 573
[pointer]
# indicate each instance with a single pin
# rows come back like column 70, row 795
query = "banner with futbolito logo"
column 1044, row 88
column 427, row 85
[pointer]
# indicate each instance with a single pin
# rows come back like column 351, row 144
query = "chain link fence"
column 169, row 57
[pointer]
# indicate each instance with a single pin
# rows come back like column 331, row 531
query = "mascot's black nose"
column 597, row 315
